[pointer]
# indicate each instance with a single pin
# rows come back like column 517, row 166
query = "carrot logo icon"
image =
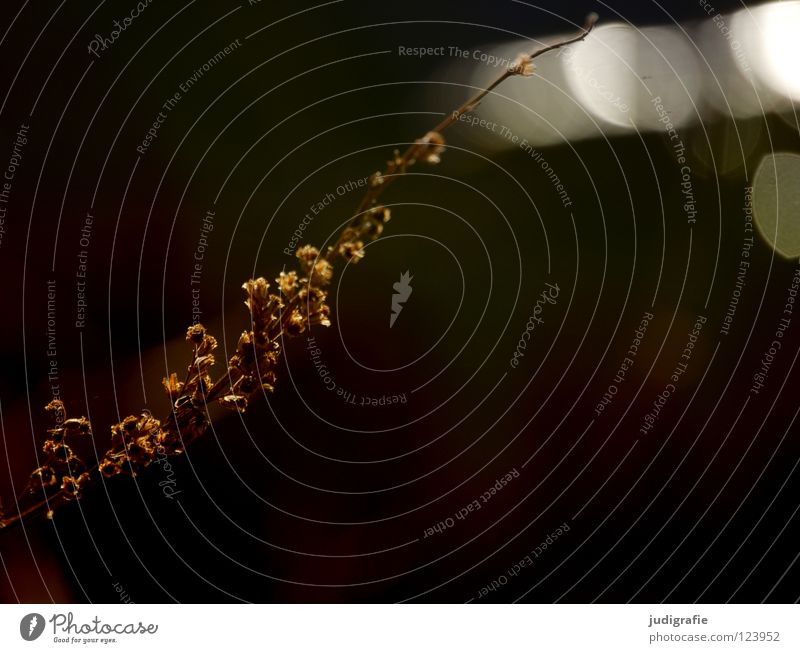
column 402, row 291
column 31, row 626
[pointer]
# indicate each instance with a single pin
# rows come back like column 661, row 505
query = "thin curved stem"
column 398, row 166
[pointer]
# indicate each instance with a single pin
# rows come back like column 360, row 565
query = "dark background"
column 307, row 498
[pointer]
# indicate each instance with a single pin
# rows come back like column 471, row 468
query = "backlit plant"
column 295, row 303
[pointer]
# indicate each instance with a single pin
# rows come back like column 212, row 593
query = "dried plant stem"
column 395, row 168
column 518, row 68
column 299, row 305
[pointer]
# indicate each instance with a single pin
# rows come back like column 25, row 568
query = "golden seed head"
column 287, row 281
column 307, row 255
column 353, row 251
column 172, row 386
column 376, row 179
column 55, row 406
column 322, row 273
column 257, row 292
column 296, row 324
column 382, row 213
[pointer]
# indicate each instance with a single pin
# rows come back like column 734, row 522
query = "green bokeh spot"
column 776, row 202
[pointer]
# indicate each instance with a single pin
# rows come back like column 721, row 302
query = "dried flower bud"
column 56, row 406
column 296, row 323
column 320, row 316
column 371, row 225
column 396, row 162
column 431, row 147
column 257, row 292
column 44, row 477
column 69, row 485
column 315, row 296
column 72, row 485
column 245, row 341
column 57, row 450
column 373, row 229
column 376, row 179
column 322, row 273
column 172, row 386
column 109, row 468
column 195, row 334
column 522, row 65
column 352, row 252
column 307, row 255
column 287, row 282
column 382, row 213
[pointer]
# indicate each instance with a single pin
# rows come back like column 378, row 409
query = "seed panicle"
column 297, row 304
